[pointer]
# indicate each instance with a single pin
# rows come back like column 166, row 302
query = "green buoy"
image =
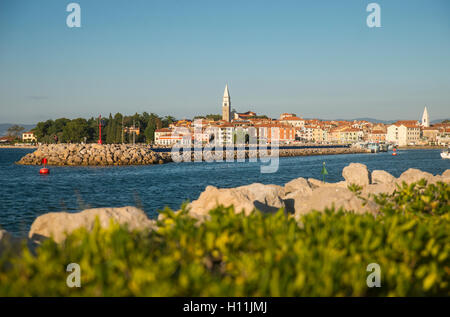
column 324, row 172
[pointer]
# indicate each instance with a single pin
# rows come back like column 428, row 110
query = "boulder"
column 58, row 224
column 315, row 183
column 329, row 196
column 382, row 177
column 298, row 184
column 266, row 198
column 7, row 241
column 356, row 173
column 413, row 175
column 376, row 189
column 445, row 177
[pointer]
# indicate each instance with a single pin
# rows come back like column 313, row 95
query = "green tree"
column 15, row 131
column 154, row 123
column 110, row 133
column 76, row 130
column 167, row 121
column 118, row 128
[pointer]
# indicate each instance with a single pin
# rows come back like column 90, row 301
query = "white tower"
column 425, row 119
column 226, row 105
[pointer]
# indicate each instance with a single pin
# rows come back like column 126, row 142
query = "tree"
column 167, row 121
column 75, row 131
column 110, row 133
column 214, row 117
column 15, row 130
column 118, row 128
column 154, row 122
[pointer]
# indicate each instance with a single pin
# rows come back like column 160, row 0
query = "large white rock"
column 266, row 198
column 59, row 224
column 356, row 173
column 445, row 177
column 382, row 177
column 414, row 175
column 298, row 184
column 329, row 196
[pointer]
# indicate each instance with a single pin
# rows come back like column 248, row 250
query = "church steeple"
column 425, row 118
column 226, row 105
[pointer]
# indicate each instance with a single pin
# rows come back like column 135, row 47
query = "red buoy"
column 44, row 171
column 394, row 153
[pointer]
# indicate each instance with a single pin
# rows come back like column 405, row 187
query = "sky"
column 317, row 59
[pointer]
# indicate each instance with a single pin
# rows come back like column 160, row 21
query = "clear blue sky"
column 313, row 58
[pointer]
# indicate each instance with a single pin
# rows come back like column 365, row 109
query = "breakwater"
column 94, row 155
column 124, row 154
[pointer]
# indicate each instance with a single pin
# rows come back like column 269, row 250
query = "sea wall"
column 94, row 155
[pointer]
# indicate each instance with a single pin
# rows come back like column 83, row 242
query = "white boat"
column 445, row 155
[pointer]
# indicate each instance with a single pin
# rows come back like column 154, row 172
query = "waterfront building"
column 28, row 137
column 293, row 121
column 243, row 116
column 402, row 133
column 225, row 134
column 443, row 138
column 169, row 137
column 268, row 132
column 376, row 136
column 286, row 115
column 320, row 134
column 430, row 134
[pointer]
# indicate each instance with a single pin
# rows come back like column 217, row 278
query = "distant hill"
column 5, row 126
column 438, row 121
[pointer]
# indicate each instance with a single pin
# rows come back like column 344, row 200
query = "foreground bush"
column 325, row 254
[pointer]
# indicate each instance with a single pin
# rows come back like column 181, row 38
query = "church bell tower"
column 226, row 105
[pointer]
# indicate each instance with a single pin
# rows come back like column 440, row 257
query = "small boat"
column 445, row 154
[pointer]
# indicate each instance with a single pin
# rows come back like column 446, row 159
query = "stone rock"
column 413, row 175
column 356, row 173
column 315, row 183
column 59, row 224
column 376, row 189
column 339, row 197
column 382, row 177
column 266, row 198
column 445, row 177
column 298, row 184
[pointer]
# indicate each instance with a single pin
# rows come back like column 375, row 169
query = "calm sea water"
column 25, row 194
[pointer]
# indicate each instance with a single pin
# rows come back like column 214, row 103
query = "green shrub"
column 322, row 254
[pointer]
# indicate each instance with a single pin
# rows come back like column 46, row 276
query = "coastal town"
column 234, row 127
column 294, row 129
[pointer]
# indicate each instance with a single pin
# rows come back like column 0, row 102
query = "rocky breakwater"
column 300, row 195
column 94, row 155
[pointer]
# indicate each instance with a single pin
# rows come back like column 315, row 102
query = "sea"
column 26, row 194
